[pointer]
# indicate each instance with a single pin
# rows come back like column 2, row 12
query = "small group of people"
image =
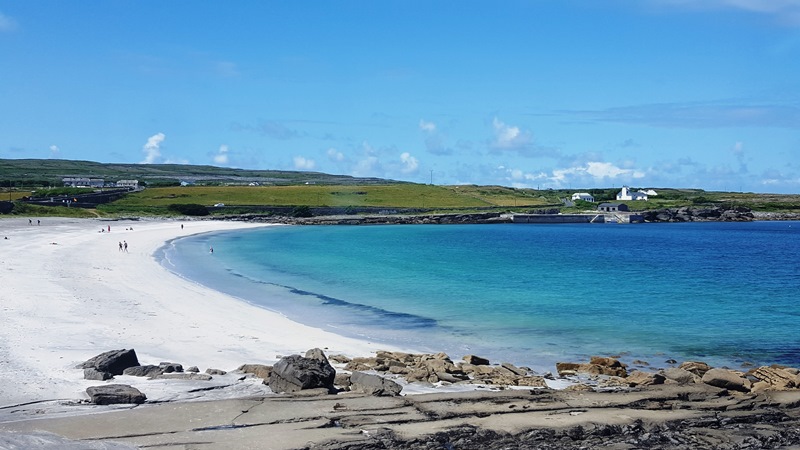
column 38, row 222
column 123, row 246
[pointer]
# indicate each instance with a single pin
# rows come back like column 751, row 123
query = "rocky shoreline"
column 683, row 214
column 358, row 405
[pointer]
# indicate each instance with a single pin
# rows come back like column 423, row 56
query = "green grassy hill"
column 243, row 191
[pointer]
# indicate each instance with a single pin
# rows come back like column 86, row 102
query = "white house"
column 585, row 196
column 627, row 194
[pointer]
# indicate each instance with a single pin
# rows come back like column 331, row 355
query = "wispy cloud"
column 152, row 149
column 7, row 24
column 54, row 151
column 697, row 115
column 781, row 11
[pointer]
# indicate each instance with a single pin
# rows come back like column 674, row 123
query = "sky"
column 524, row 93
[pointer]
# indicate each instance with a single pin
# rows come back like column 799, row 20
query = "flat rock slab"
column 693, row 416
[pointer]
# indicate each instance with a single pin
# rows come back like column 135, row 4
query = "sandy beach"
column 69, row 293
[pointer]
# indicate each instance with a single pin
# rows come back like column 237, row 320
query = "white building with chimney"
column 627, row 194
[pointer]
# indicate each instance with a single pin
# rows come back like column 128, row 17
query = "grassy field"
column 389, row 196
column 232, row 187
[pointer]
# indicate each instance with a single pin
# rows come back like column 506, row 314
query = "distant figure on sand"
column 109, row 228
column 30, row 221
column 120, row 246
column 181, row 226
column 125, row 246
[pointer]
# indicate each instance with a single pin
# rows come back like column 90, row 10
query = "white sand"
column 68, row 294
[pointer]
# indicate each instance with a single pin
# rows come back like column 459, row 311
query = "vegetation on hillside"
column 244, row 191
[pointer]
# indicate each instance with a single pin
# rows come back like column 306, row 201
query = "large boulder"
column 374, row 385
column 294, row 373
column 115, row 393
column 680, row 376
column 114, row 362
column 775, row 378
column 726, row 379
column 696, row 367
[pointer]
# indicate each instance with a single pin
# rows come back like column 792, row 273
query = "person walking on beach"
column 125, row 246
column 120, row 246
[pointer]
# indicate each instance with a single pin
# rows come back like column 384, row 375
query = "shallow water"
column 532, row 294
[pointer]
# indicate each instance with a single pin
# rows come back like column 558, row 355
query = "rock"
column 374, row 385
column 476, row 360
column 90, row 373
column 183, row 376
column 168, row 367
column 514, row 369
column 339, row 359
column 726, row 379
column 316, row 353
column 775, row 379
column 259, row 370
column 567, row 368
column 696, row 367
column 193, row 369
column 530, row 381
column 211, row 371
column 680, row 376
column 639, row 378
column 113, row 362
column 111, row 394
column 294, row 373
column 143, row 371
column 342, row 380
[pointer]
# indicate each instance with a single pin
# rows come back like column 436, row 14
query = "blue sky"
column 542, row 94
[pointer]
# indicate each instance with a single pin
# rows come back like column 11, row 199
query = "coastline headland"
column 70, row 293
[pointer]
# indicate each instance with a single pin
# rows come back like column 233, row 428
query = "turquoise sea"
column 532, row 294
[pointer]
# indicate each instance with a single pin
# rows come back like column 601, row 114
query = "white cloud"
column 600, row 170
column 509, row 137
column 303, row 163
column 152, row 149
column 367, row 167
column 409, row 163
column 7, row 24
column 335, row 155
column 54, row 151
column 430, row 127
column 222, row 155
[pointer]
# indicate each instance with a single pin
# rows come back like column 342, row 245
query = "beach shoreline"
column 71, row 293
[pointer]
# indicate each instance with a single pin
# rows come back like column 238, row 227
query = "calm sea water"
column 725, row 293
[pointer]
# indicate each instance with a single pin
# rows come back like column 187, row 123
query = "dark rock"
column 115, row 393
column 183, row 376
column 90, row 373
column 113, row 362
column 143, row 371
column 215, row 372
column 294, row 373
column 168, row 367
column 374, row 385
column 193, row 369
column 476, row 360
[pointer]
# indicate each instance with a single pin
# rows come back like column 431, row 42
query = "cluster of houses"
column 98, row 183
column 625, row 194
